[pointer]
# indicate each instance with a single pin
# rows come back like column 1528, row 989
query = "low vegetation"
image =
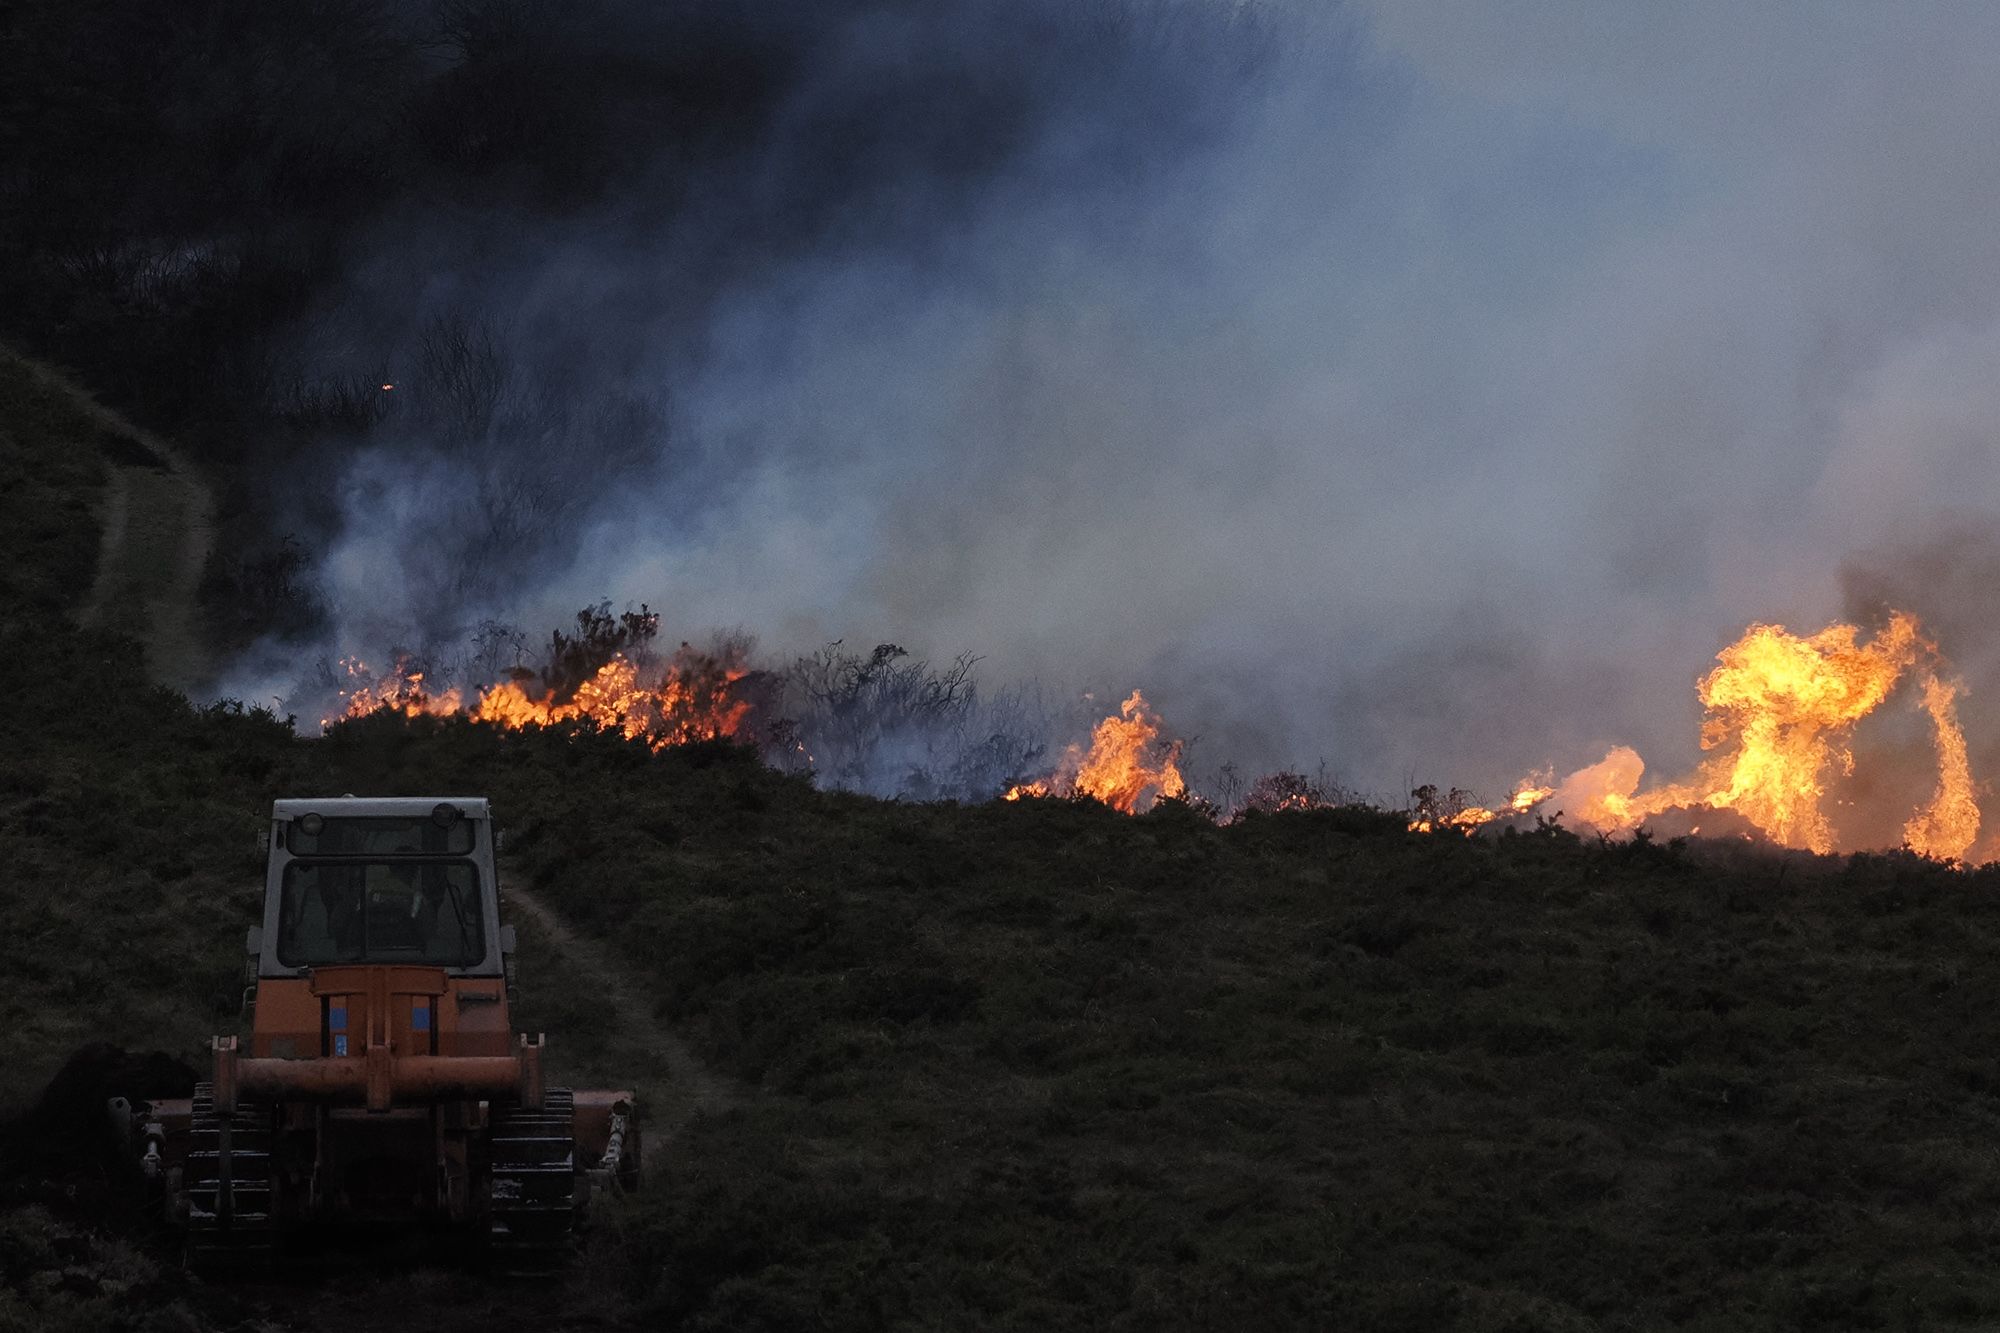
column 1039, row 1065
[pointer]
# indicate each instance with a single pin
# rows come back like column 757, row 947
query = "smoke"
column 1429, row 393
column 1948, row 574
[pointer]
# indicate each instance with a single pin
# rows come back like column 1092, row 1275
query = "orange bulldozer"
column 382, row 1080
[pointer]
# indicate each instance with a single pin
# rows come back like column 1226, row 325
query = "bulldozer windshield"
column 381, row 911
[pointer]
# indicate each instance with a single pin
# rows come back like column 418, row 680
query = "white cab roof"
column 472, row 807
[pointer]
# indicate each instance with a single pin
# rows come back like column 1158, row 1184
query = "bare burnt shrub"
column 342, row 405
column 498, row 651
column 1227, row 786
column 1436, row 809
column 599, row 637
column 1005, row 746
column 862, row 691
column 1287, row 790
column 462, row 375
column 891, row 724
column 856, row 707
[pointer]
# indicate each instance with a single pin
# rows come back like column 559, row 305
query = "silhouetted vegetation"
column 1046, row 1065
column 1043, row 1065
column 892, row 725
column 600, row 636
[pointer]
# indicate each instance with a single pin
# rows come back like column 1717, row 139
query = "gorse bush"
column 890, row 724
column 599, row 637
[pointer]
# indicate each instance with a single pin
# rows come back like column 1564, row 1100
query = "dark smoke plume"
column 1428, row 389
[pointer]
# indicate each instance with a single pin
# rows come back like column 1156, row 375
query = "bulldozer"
column 380, row 1079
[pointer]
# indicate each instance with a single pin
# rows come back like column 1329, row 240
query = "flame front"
column 1782, row 709
column 1128, row 766
column 691, row 700
column 400, row 690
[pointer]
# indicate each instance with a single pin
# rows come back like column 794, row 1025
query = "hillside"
column 1037, row 1065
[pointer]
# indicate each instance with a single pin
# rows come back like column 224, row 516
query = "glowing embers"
column 400, row 689
column 1128, row 766
column 1782, row 710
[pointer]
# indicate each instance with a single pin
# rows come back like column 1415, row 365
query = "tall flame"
column 1128, row 766
column 1951, row 822
column 1781, row 715
column 1788, row 705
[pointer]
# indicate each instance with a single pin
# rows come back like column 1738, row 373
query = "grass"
column 1046, row 1066
column 1038, row 1065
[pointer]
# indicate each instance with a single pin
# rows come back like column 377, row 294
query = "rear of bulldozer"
column 381, row 1083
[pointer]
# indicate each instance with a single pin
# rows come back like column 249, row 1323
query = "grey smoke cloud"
column 1432, row 391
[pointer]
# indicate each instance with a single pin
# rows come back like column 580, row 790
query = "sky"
column 1425, row 390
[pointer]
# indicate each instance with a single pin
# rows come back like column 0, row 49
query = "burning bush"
column 1431, row 809
column 1128, row 765
column 575, row 660
column 605, row 673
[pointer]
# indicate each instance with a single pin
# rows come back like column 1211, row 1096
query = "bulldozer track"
column 533, row 1173
column 673, row 1085
column 229, row 1184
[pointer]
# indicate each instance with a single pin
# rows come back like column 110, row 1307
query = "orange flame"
column 693, row 699
column 1781, row 713
column 1949, row 825
column 1128, row 766
column 400, row 690
column 1528, row 793
column 1528, row 797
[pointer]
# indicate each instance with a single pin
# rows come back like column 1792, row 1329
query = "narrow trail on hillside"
column 158, row 523
column 672, row 1083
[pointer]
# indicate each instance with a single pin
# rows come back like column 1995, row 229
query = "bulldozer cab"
column 381, row 881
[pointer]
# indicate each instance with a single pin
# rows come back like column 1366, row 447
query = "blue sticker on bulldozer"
column 340, row 1044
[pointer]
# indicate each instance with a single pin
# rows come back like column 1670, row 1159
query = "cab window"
column 378, row 835
column 387, row 911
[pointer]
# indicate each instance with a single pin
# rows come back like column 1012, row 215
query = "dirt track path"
column 673, row 1085
column 158, row 522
